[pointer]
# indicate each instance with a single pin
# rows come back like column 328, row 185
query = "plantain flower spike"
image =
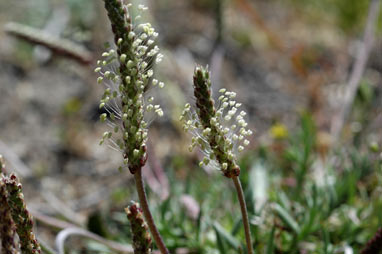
column 139, row 229
column 127, row 72
column 7, row 227
column 374, row 246
column 220, row 132
column 21, row 216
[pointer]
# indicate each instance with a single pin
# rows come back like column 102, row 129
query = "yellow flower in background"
column 279, row 131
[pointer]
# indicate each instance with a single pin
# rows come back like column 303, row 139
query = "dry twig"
column 56, row 44
column 340, row 116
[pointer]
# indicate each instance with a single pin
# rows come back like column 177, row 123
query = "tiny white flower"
column 149, row 107
column 206, row 131
column 143, row 36
column 141, row 7
column 131, row 35
column 123, row 58
column 107, row 74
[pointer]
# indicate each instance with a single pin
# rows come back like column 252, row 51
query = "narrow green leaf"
column 284, row 200
column 225, row 236
column 326, row 241
column 220, row 243
column 286, row 218
column 199, row 224
column 237, row 226
column 271, row 242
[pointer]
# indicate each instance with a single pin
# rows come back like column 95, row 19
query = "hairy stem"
column 244, row 213
column 146, row 212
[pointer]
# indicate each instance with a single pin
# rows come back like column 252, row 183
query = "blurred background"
column 290, row 63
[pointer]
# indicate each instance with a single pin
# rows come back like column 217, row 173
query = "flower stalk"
column 219, row 143
column 125, row 97
column 244, row 213
column 146, row 212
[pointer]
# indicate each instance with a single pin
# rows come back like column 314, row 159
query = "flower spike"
column 21, row 216
column 219, row 132
column 139, row 229
column 124, row 98
column 7, row 226
column 374, row 245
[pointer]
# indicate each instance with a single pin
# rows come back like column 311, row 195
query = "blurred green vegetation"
column 299, row 197
column 297, row 200
column 349, row 15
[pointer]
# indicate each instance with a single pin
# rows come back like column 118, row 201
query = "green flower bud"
column 103, row 117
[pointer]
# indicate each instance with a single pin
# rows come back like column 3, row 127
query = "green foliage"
column 298, row 201
column 348, row 14
column 299, row 153
column 351, row 13
column 336, row 206
column 72, row 106
column 82, row 12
